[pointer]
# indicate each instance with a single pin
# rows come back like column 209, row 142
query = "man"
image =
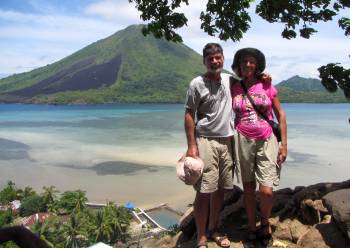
column 209, row 132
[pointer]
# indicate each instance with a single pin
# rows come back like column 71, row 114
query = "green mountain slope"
column 128, row 67
column 125, row 67
column 307, row 90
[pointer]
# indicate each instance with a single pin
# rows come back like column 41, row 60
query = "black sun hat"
column 257, row 54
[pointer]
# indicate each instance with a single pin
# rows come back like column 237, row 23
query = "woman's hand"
column 266, row 78
column 282, row 154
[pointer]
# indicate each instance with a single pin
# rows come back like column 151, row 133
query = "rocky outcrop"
column 313, row 216
column 338, row 203
column 316, row 216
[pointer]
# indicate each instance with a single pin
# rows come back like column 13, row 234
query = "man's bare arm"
column 190, row 129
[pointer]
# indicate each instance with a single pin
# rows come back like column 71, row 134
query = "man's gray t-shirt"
column 212, row 103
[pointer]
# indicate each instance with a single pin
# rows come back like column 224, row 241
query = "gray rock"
column 284, row 191
column 187, row 223
column 312, row 239
column 338, row 203
column 323, row 236
column 282, row 231
column 312, row 212
column 289, row 230
column 279, row 202
column 317, row 191
column 297, row 230
column 232, row 196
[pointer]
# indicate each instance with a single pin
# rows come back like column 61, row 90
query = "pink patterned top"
column 247, row 121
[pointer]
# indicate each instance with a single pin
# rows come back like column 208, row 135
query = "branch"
column 334, row 76
column 291, row 13
column 163, row 19
column 230, row 19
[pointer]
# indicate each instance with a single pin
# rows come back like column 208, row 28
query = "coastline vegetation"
column 70, row 223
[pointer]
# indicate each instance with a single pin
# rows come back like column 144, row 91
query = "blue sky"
column 35, row 33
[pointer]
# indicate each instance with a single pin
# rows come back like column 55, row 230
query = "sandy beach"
column 128, row 152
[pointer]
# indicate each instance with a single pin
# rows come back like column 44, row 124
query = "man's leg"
column 201, row 213
column 216, row 200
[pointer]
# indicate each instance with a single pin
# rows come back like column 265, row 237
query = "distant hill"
column 129, row 67
column 125, row 67
column 307, row 90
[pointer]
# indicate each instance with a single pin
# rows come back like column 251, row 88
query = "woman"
column 258, row 154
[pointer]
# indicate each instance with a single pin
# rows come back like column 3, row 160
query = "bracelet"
column 283, row 144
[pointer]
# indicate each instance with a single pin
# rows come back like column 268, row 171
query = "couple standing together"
column 216, row 104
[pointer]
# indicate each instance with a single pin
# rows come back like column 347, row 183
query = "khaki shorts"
column 216, row 154
column 257, row 160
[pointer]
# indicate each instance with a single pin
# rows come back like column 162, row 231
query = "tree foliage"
column 31, row 205
column 8, row 193
column 73, row 201
column 26, row 192
column 80, row 228
column 5, row 217
column 230, row 19
column 163, row 19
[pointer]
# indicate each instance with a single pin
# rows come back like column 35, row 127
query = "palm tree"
column 50, row 195
column 42, row 230
column 75, row 235
column 103, row 230
column 119, row 219
column 80, row 201
column 8, row 193
column 73, row 201
column 27, row 192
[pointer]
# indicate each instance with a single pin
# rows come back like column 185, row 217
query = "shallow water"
column 128, row 152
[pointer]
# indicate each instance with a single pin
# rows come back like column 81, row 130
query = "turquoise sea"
column 128, row 152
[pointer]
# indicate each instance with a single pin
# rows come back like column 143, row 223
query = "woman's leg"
column 266, row 196
column 250, row 205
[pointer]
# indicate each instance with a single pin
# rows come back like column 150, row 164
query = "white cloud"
column 55, row 26
column 115, row 10
column 37, row 39
column 27, row 37
column 286, row 58
column 6, row 15
column 21, row 59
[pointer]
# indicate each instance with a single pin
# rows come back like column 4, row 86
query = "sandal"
column 201, row 244
column 218, row 238
column 263, row 236
column 251, row 239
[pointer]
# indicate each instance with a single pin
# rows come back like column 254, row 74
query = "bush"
column 32, row 204
column 9, row 193
column 5, row 217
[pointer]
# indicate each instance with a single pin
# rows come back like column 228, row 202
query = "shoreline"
column 145, row 188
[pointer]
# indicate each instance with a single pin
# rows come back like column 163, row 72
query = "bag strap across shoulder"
column 253, row 104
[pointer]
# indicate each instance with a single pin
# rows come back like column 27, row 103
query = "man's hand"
column 192, row 151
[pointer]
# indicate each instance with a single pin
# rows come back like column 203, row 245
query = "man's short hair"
column 212, row 48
